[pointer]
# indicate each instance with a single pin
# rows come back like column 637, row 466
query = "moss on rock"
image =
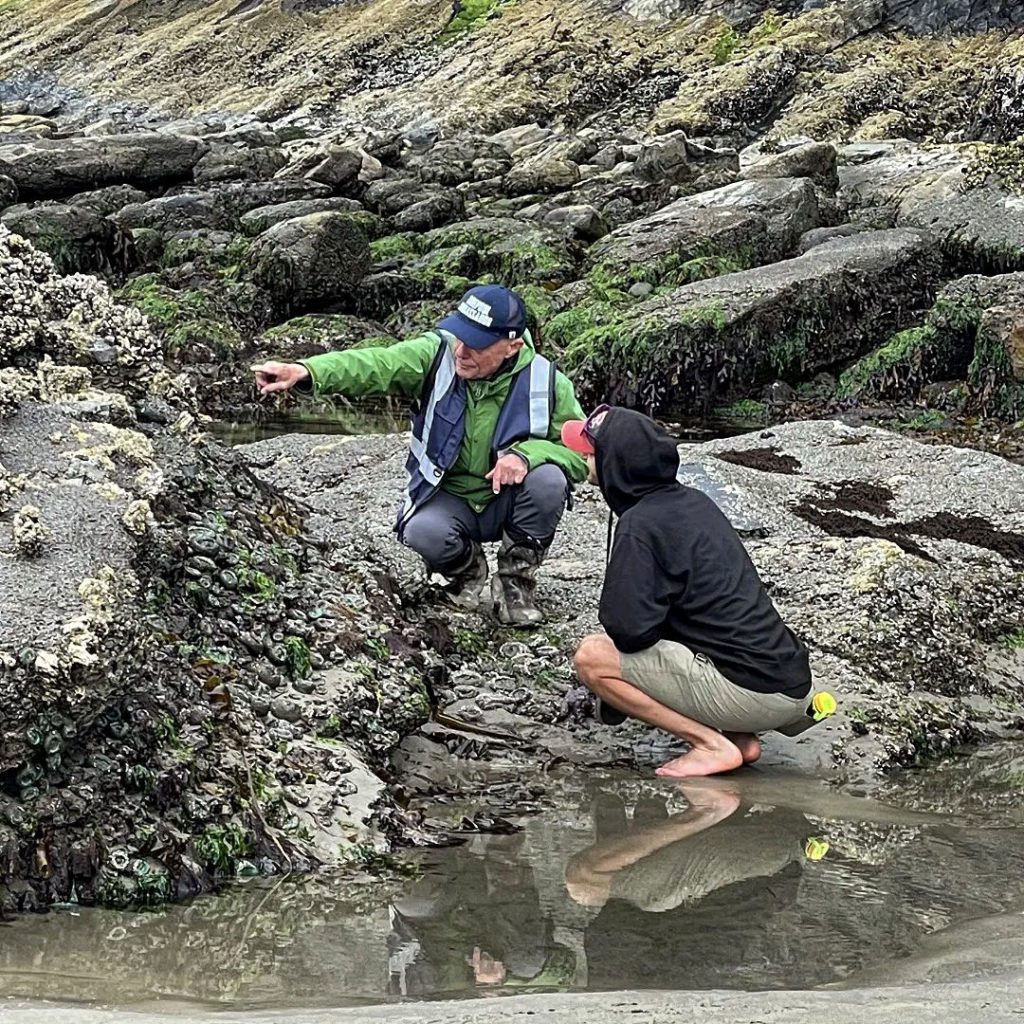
column 953, row 343
column 404, row 245
column 189, row 319
column 322, row 332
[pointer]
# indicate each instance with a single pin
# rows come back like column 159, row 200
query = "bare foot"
column 703, row 761
column 749, row 745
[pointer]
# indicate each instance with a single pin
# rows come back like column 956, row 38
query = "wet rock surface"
column 696, row 343
column 899, row 563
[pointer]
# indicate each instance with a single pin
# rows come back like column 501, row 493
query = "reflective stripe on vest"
column 540, row 397
column 436, row 440
column 419, row 462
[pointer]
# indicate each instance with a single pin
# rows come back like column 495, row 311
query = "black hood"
column 634, row 457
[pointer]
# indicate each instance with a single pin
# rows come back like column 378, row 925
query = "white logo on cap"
column 477, row 311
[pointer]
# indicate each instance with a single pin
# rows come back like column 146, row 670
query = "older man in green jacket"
column 486, row 461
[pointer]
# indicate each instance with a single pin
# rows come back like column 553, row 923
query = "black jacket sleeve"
column 636, row 597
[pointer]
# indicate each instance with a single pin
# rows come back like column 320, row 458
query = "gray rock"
column 8, row 192
column 156, row 410
column 583, row 222
column 286, row 709
column 574, row 148
column 731, row 500
column 106, row 201
column 815, row 160
column 99, row 128
column 982, row 225
column 1001, row 329
column 881, row 175
column 677, row 234
column 789, row 207
column 523, row 139
column 457, row 161
column 26, row 128
column 218, row 208
column 263, row 217
column 392, row 195
column 809, row 239
column 541, row 175
column 307, row 262
column 226, row 163
column 337, row 167
column 676, row 160
column 665, row 160
column 78, row 238
column 249, row 136
column 741, row 330
column 59, row 167
column 607, row 157
column 430, row 212
column 371, row 169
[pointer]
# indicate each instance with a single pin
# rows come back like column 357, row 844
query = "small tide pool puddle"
column 762, row 880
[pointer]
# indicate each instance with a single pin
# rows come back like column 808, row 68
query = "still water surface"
column 761, row 880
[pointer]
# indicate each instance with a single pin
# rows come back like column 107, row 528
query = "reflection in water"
column 489, row 929
column 755, row 881
column 686, row 899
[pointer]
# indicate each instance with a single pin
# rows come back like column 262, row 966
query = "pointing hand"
column 509, row 470
column 274, row 377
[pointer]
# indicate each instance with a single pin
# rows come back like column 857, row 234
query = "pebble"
column 286, row 709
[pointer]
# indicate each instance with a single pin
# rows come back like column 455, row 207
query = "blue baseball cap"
column 487, row 314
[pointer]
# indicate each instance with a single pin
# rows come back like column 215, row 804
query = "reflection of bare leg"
column 749, row 745
column 599, row 668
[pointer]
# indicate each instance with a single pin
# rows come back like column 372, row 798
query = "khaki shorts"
column 690, row 684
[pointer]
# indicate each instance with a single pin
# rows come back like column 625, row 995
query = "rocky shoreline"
column 217, row 661
column 680, row 274
column 220, row 657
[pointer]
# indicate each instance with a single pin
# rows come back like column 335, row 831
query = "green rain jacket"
column 401, row 369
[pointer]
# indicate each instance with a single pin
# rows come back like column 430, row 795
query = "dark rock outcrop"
column 308, row 262
column 79, row 239
column 58, row 167
column 791, row 318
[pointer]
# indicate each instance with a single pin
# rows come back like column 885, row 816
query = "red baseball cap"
column 581, row 435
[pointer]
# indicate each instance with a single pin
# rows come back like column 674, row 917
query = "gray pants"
column 443, row 530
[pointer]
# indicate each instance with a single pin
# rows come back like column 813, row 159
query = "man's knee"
column 593, row 657
column 538, row 506
column 547, row 487
column 437, row 538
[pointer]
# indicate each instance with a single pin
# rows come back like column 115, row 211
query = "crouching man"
column 486, row 462
column 694, row 644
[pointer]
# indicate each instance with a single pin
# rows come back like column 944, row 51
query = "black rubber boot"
column 516, row 581
column 466, row 582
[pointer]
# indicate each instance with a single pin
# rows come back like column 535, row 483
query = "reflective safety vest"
column 439, row 421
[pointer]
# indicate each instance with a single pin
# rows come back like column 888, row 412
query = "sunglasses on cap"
column 594, row 421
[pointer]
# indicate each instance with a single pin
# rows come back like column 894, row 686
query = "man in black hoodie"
column 694, row 644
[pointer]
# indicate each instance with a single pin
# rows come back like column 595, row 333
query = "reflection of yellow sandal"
column 815, row 848
column 823, row 705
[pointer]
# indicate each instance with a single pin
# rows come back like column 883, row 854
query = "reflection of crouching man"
column 694, row 644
